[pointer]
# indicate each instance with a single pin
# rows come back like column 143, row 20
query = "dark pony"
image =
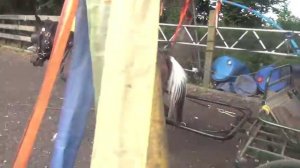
column 173, row 76
column 43, row 39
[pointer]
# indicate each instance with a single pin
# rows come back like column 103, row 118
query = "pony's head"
column 42, row 38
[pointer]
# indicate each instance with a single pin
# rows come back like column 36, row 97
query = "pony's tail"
column 177, row 90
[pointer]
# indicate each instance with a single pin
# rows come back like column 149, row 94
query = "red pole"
column 60, row 42
column 218, row 9
column 182, row 17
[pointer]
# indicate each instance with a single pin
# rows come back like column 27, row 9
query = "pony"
column 173, row 76
column 42, row 40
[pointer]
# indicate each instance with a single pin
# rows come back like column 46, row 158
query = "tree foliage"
column 50, row 7
column 287, row 20
column 17, row 6
column 234, row 16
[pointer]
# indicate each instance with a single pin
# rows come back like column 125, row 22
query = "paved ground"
column 19, row 87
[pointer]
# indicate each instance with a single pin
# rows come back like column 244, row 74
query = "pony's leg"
column 64, row 67
column 180, row 106
column 164, row 75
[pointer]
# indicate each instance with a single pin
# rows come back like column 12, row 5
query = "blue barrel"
column 262, row 75
column 226, row 68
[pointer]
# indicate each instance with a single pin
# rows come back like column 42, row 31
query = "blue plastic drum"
column 226, row 68
column 262, row 75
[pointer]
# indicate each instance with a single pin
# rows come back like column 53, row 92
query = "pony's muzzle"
column 36, row 61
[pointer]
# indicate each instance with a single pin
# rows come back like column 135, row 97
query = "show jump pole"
column 129, row 124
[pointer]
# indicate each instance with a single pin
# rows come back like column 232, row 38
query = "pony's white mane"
column 176, row 86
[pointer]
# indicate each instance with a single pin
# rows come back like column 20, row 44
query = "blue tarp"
column 79, row 96
column 244, row 85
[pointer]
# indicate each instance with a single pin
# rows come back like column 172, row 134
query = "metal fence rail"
column 280, row 42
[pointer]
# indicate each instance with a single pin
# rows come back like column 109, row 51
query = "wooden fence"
column 17, row 29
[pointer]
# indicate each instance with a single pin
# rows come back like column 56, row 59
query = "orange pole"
column 182, row 17
column 60, row 42
column 218, row 9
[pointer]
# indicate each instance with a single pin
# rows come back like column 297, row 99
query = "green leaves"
column 287, row 20
column 48, row 7
column 234, row 16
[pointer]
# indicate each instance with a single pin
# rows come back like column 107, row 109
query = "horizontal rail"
column 17, row 27
column 15, row 37
column 28, row 17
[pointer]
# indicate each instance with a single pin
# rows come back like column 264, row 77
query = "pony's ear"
column 38, row 20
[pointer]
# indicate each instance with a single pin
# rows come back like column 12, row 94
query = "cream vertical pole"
column 125, row 106
column 98, row 16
